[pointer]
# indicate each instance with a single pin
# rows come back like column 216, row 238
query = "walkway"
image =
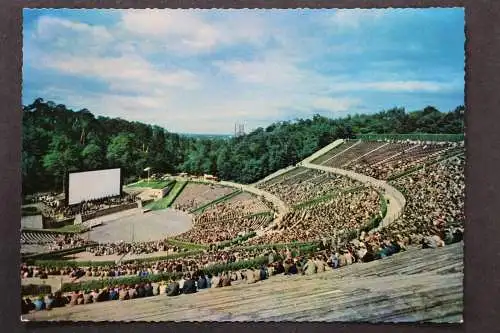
column 281, row 206
column 395, row 200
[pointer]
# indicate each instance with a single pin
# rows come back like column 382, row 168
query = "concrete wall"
column 108, row 211
column 33, row 222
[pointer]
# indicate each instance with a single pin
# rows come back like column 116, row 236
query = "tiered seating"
column 353, row 153
column 292, row 173
column 207, row 231
column 331, row 153
column 307, row 186
column 416, row 153
column 434, row 199
column 417, row 285
column 338, row 215
column 31, row 237
column 195, row 195
column 381, row 154
column 245, row 202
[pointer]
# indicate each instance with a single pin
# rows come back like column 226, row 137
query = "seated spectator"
column 189, row 285
column 162, row 289
column 49, row 301
column 87, row 297
column 140, row 290
column 216, row 281
column 132, row 291
column 263, row 273
column 310, row 267
column 225, row 280
column 123, row 294
column 432, row 242
column 173, row 288
column 202, row 282
column 320, row 264
column 113, row 294
column 278, row 268
column 59, row 300
column 250, row 276
column 208, row 278
column 39, row 303
column 74, row 298
column 148, row 290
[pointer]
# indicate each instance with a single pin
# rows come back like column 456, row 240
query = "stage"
column 134, row 225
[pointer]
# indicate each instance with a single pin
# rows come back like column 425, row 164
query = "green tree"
column 62, row 158
column 92, row 156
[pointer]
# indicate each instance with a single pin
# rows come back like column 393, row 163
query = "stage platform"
column 134, row 225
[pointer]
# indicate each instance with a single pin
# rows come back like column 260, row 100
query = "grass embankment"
column 185, row 245
column 55, row 263
column 170, row 198
column 154, row 184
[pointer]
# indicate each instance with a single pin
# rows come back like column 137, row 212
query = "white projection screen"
column 91, row 185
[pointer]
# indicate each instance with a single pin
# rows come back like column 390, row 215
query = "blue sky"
column 201, row 71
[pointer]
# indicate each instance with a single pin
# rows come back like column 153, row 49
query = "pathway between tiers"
column 280, row 205
column 395, row 200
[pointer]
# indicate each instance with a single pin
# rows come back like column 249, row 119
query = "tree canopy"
column 57, row 140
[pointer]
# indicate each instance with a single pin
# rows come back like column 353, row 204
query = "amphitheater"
column 386, row 188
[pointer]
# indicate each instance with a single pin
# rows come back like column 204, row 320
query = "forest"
column 57, row 140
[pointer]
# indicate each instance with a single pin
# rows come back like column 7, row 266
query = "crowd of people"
column 336, row 216
column 307, row 185
column 87, row 208
column 433, row 217
column 411, row 156
column 287, row 261
column 435, row 198
column 53, row 205
column 121, row 248
column 229, row 219
column 216, row 231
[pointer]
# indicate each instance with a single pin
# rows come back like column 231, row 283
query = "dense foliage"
column 57, row 140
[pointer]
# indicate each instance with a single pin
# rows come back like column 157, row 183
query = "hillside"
column 57, row 140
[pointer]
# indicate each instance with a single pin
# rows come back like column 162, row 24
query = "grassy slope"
column 169, row 199
column 154, row 184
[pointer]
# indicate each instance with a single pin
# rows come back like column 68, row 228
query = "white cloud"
column 70, row 36
column 160, row 68
column 189, row 31
column 122, row 73
column 354, row 18
column 268, row 71
column 335, row 104
column 394, row 86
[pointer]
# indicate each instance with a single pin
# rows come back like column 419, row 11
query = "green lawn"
column 154, row 184
column 169, row 199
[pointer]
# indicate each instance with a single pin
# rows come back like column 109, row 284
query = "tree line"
column 57, row 140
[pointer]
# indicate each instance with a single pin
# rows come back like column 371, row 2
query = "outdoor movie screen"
column 91, row 185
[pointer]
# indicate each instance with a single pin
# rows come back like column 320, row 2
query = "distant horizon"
column 249, row 130
column 203, row 71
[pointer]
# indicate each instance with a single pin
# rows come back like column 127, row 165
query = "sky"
column 202, row 71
